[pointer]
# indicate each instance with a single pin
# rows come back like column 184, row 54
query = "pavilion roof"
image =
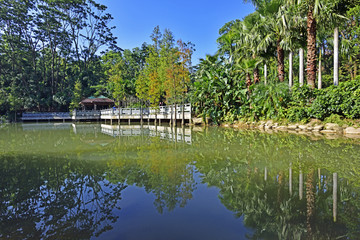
column 101, row 100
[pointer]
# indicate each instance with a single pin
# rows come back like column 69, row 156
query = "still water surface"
column 86, row 181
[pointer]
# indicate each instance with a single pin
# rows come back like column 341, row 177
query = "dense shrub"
column 297, row 113
column 269, row 101
column 342, row 100
column 225, row 99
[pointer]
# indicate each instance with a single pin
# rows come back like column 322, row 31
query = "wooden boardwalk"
column 48, row 116
column 92, row 115
column 165, row 113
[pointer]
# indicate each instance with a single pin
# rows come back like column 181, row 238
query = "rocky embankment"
column 314, row 126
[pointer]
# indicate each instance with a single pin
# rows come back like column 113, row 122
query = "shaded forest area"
column 45, row 47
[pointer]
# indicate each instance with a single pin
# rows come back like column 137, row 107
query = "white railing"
column 45, row 116
column 86, row 114
column 166, row 111
column 146, row 111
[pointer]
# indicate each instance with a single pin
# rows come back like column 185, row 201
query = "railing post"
column 190, row 112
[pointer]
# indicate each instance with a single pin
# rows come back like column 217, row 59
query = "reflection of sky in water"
column 204, row 217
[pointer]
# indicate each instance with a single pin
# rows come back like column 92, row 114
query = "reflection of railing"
column 88, row 114
column 162, row 112
column 34, row 116
column 45, row 126
column 178, row 134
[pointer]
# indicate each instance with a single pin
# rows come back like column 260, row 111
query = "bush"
column 341, row 100
column 297, row 114
column 334, row 118
column 269, row 101
column 300, row 101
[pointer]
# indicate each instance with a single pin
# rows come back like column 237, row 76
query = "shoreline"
column 315, row 128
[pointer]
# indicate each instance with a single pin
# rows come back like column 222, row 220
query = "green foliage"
column 297, row 114
column 300, row 101
column 77, row 96
column 334, row 118
column 341, row 100
column 269, row 101
column 166, row 72
column 217, row 91
column 44, row 50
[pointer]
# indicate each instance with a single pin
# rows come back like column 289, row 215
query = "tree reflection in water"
column 160, row 168
column 250, row 170
column 55, row 198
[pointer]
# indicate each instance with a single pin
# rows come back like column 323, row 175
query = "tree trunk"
column 265, row 174
column 119, row 113
column 265, row 74
column 336, row 56
column 301, row 185
column 141, row 113
column 301, row 67
column 311, row 49
column 291, row 69
column 183, row 112
column 256, row 75
column 319, row 71
column 290, row 179
column 335, row 183
column 310, row 203
column 175, row 118
column 248, row 83
column 280, row 62
column 355, row 69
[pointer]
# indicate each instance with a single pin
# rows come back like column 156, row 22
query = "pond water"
column 92, row 181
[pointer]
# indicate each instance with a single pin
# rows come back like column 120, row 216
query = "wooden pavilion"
column 96, row 103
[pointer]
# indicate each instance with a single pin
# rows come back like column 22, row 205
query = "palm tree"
column 321, row 42
column 248, row 65
column 269, row 32
column 252, row 37
column 228, row 36
column 273, row 25
column 301, row 67
column 335, row 12
column 293, row 24
column 312, row 9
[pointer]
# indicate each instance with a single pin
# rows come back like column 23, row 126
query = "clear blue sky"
column 197, row 21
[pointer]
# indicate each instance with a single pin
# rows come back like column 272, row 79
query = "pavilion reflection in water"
column 180, row 134
column 164, row 132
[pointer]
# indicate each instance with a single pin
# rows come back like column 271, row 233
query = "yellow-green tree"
column 75, row 102
column 117, row 82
